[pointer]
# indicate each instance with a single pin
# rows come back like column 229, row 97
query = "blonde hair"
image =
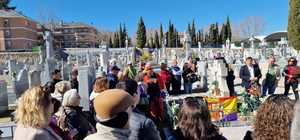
column 32, row 109
column 62, row 86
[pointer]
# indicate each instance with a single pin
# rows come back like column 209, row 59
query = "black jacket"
column 245, row 75
column 186, row 74
column 76, row 119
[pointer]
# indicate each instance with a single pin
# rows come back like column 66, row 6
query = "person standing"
column 271, row 77
column 194, row 122
column 165, row 77
column 56, row 77
column 113, row 110
column 291, row 77
column 74, row 80
column 230, row 80
column 112, row 77
column 249, row 74
column 188, row 75
column 256, row 66
column 142, row 127
column 130, row 72
column 33, row 114
column 72, row 117
column 175, row 78
column 153, row 82
column 60, row 89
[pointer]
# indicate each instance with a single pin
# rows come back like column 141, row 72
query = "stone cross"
column 49, row 44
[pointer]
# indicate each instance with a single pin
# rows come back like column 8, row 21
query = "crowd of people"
column 270, row 75
column 130, row 105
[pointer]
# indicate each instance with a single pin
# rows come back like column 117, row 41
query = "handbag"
column 193, row 77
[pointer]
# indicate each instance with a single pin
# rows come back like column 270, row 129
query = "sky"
column 108, row 14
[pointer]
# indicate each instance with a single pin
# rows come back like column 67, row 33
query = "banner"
column 222, row 109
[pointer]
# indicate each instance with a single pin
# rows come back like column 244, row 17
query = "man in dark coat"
column 249, row 74
column 113, row 77
column 175, row 78
column 56, row 77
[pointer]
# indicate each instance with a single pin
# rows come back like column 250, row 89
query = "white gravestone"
column 34, row 78
column 21, row 83
column 202, row 71
column 221, row 75
column 86, row 77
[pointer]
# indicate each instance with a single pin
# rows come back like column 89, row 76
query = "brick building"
column 17, row 32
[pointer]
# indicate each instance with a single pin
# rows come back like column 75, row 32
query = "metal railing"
column 10, row 126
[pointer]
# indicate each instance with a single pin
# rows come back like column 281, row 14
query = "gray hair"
column 70, row 98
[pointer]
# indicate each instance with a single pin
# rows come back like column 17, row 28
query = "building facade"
column 75, row 35
column 17, row 32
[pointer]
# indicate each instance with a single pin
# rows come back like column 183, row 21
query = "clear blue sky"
column 108, row 14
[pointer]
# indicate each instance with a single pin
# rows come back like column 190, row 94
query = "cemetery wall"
column 18, row 56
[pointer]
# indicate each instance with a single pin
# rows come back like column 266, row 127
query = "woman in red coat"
column 153, row 82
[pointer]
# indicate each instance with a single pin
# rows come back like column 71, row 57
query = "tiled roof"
column 13, row 13
column 10, row 13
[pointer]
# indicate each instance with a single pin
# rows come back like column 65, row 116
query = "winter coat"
column 30, row 133
column 77, row 123
column 142, row 128
column 108, row 133
column 165, row 78
column 113, row 80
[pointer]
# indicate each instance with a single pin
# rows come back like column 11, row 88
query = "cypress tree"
column 200, row 36
column 161, row 35
column 178, row 44
column 166, row 39
column 156, row 40
column 121, row 36
column 193, row 34
column 294, row 24
column 171, row 36
column 228, row 30
column 189, row 29
column 206, row 38
column 211, row 34
column 110, row 44
column 222, row 37
column 141, row 34
column 124, row 33
column 216, row 34
column 116, row 42
column 151, row 43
